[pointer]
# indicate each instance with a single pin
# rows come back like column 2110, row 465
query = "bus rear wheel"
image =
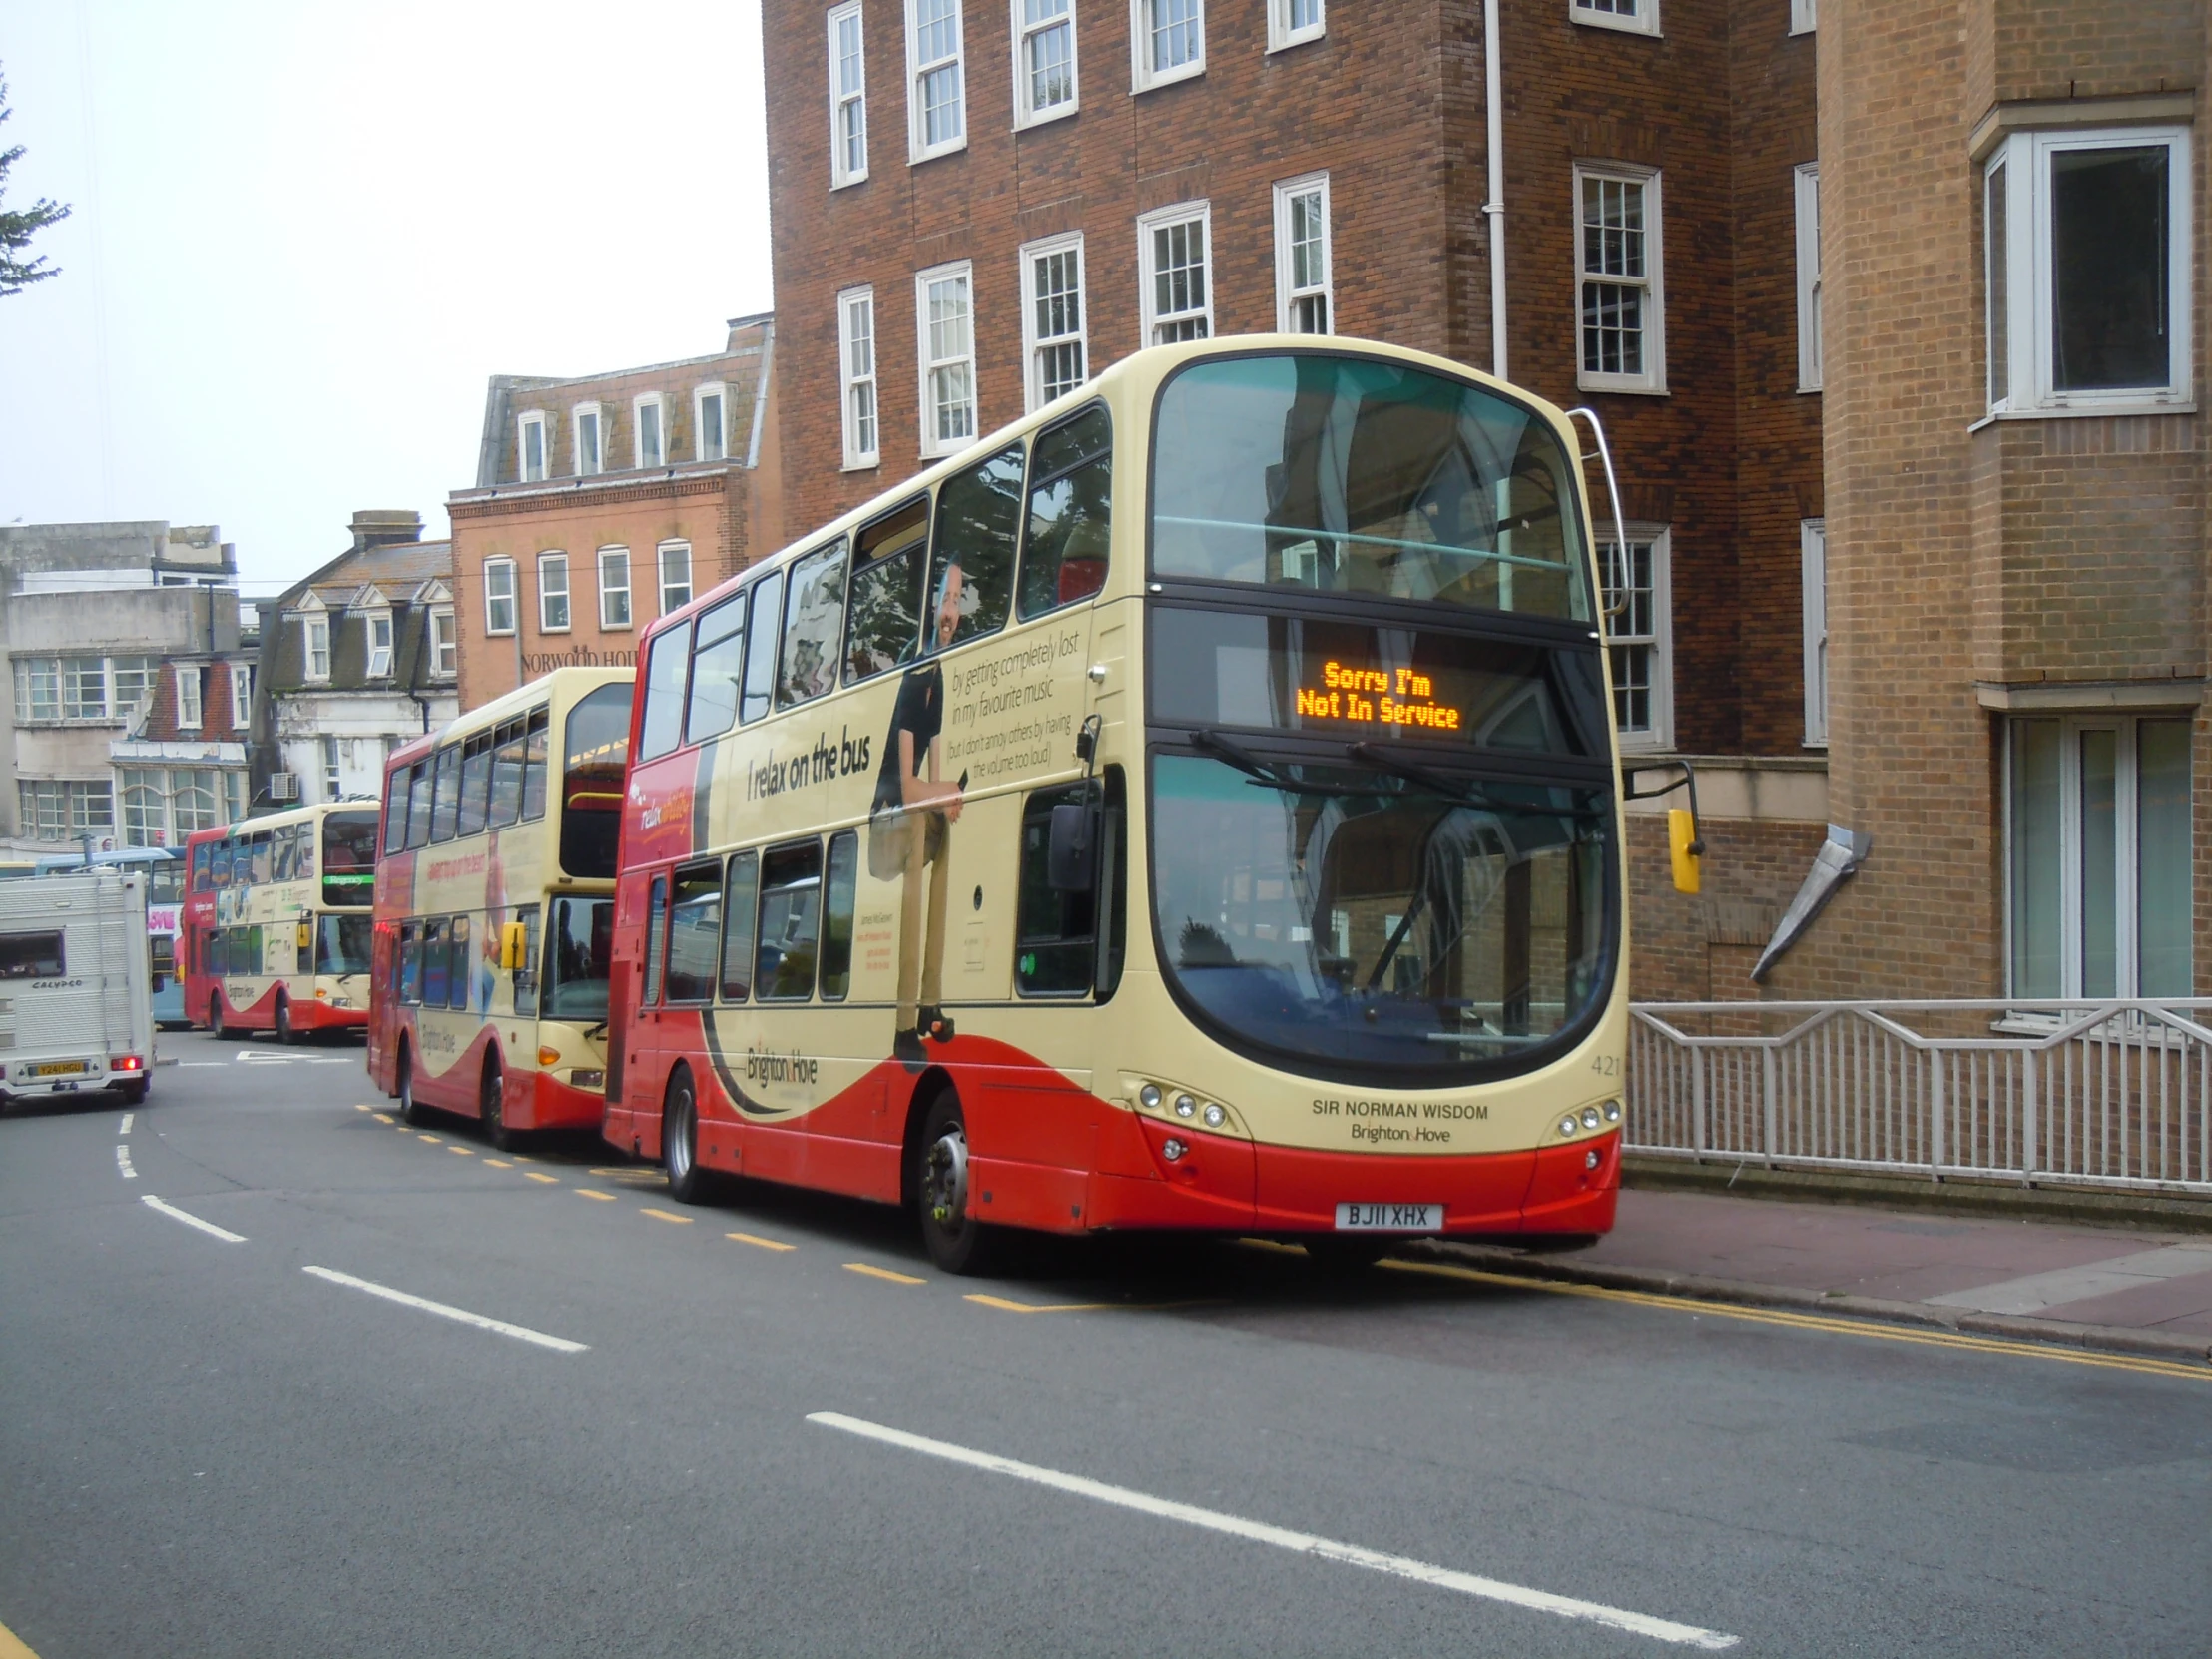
column 957, row 1242
column 411, row 1110
column 492, row 1107
column 686, row 1182
column 285, row 1033
column 215, row 1017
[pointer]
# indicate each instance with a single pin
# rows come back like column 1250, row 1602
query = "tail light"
column 127, row 1062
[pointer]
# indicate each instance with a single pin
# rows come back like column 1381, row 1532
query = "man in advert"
column 909, row 824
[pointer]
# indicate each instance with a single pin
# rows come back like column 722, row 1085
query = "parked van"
column 76, row 994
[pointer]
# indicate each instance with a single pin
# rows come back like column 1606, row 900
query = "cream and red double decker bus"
column 277, row 922
column 494, row 907
column 1195, row 806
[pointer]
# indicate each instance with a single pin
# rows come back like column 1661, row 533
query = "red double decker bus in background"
column 277, row 922
column 494, row 907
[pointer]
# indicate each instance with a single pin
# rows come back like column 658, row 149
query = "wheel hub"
column 679, row 1142
column 944, row 1180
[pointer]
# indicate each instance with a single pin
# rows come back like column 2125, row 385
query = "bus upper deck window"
column 475, row 785
column 419, row 804
column 886, row 592
column 814, row 623
column 596, row 758
column 261, row 858
column 219, row 865
column 281, row 860
column 1065, row 548
column 759, row 645
column 534, row 746
column 667, row 660
column 978, row 523
column 710, row 707
column 506, row 774
column 348, row 845
column 202, row 867
column 446, row 798
column 395, row 809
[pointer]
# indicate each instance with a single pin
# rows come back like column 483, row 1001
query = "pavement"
column 351, row 1388
column 2113, row 1288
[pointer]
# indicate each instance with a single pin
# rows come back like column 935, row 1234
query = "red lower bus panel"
column 540, row 1100
column 1483, row 1193
column 1210, row 1185
column 1042, row 1196
column 314, row 1015
column 1567, row 1196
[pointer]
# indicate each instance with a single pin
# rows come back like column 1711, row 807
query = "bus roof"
column 566, row 682
column 279, row 820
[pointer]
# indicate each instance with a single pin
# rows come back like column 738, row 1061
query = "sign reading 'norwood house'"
column 535, row 663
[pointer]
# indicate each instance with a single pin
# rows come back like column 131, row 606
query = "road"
column 771, row 1427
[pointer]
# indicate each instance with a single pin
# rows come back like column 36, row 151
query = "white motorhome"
column 76, row 993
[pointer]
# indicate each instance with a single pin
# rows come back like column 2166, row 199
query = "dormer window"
column 591, row 450
column 188, row 697
column 380, row 645
column 241, row 696
column 650, row 431
column 530, row 447
column 710, row 423
column 317, row 629
column 445, row 644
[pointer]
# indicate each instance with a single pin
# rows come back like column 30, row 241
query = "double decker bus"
column 164, row 869
column 495, row 907
column 277, row 922
column 1196, row 806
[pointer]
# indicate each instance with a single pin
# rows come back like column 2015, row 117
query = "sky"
column 305, row 234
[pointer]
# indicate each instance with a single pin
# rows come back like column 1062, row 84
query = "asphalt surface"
column 207, row 1450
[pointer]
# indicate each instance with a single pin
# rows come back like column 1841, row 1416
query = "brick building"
column 974, row 203
column 2016, row 494
column 357, row 659
column 602, row 502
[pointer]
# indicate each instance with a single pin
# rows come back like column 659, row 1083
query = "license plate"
column 1389, row 1218
column 60, row 1068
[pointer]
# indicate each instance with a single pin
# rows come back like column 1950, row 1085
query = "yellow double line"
column 1816, row 1321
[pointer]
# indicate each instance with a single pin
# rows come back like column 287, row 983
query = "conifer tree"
column 17, row 229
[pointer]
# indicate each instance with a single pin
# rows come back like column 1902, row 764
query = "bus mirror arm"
column 1604, row 452
column 1685, row 830
column 1086, row 742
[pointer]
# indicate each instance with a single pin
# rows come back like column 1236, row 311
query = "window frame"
column 2028, row 285
column 932, row 446
column 1812, row 589
column 1287, row 293
column 857, row 458
column 2127, row 872
column 1142, row 76
column 1804, row 16
column 190, row 712
column 1805, row 186
column 1653, row 380
column 613, row 550
column 369, row 623
column 840, row 175
column 526, row 422
column 1658, row 734
column 241, row 696
column 1158, row 218
column 597, row 415
column 719, row 392
column 491, row 599
column 445, row 643
column 317, row 627
column 658, row 404
column 1026, row 114
column 918, row 149
column 674, row 544
column 1033, row 345
column 1283, row 34
column 1644, row 21
column 555, row 559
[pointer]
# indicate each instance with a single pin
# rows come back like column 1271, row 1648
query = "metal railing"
column 2109, row 1094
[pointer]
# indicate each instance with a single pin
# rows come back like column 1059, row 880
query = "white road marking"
column 1300, row 1543
column 210, row 1063
column 126, row 1128
column 2038, row 1290
column 330, row 1062
column 123, row 1164
column 206, row 1226
column 521, row 1332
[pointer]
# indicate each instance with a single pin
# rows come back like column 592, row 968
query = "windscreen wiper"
column 1375, row 754
column 1238, row 756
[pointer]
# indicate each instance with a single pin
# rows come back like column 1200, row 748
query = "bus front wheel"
column 957, row 1242
column 686, row 1182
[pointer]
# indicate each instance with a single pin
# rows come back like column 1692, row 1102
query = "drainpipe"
column 1494, row 208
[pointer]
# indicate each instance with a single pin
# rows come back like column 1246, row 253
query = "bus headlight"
column 1589, row 1117
column 1215, row 1117
column 1568, row 1124
column 582, row 1079
column 1612, row 1111
column 1185, row 1106
column 1149, row 1097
